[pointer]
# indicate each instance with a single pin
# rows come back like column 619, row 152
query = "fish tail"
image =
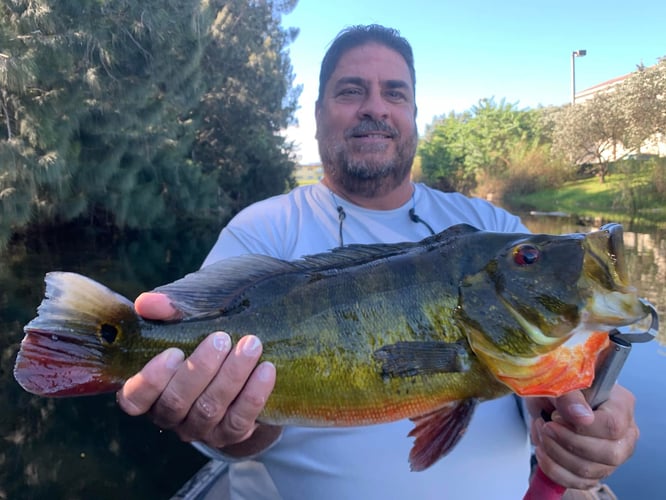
column 68, row 348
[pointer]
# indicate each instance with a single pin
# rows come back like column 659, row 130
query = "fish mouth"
column 608, row 242
column 612, row 301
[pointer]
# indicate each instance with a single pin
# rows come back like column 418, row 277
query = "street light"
column 574, row 55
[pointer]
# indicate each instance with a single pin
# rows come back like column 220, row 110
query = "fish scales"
column 335, row 323
column 366, row 333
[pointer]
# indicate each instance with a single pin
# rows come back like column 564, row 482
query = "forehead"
column 371, row 62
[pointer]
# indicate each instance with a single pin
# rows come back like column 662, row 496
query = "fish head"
column 541, row 306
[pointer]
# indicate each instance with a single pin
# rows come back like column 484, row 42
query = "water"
column 84, row 448
column 644, row 372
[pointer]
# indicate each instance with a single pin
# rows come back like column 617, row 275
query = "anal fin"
column 436, row 433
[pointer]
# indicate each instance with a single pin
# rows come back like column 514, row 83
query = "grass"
column 622, row 198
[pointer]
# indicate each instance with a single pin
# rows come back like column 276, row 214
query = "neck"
column 394, row 198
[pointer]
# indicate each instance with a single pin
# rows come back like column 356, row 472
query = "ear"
column 317, row 117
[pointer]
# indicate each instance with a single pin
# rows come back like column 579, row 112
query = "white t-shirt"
column 492, row 459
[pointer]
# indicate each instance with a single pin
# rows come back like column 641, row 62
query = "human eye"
column 395, row 95
column 351, row 91
column 396, row 91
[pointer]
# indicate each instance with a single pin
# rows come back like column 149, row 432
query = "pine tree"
column 141, row 114
column 249, row 100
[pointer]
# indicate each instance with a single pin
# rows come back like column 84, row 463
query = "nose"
column 374, row 107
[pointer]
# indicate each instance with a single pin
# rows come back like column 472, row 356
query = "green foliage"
column 658, row 177
column 136, row 114
column 443, row 154
column 480, row 145
column 248, row 102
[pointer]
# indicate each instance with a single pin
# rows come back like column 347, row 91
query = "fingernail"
column 580, row 410
column 549, row 431
column 251, row 345
column 222, row 341
column 174, row 358
column 538, row 425
column 265, row 371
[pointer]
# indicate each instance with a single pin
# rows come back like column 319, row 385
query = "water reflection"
column 87, row 448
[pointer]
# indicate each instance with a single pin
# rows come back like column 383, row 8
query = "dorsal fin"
column 356, row 254
column 353, row 255
column 215, row 289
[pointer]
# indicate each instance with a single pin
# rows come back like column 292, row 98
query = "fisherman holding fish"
column 366, row 130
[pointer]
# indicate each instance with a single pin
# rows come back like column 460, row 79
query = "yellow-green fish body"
column 367, row 333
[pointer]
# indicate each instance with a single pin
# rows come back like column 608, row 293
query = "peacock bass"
column 364, row 334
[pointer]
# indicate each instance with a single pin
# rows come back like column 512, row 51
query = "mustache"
column 370, row 126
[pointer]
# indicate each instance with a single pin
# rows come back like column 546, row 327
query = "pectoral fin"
column 436, row 433
column 408, row 359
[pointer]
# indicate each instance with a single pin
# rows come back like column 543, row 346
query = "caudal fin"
column 68, row 348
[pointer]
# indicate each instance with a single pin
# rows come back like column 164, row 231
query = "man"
column 367, row 138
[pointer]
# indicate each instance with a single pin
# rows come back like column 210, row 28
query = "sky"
column 467, row 50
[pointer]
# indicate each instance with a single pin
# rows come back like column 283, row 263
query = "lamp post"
column 574, row 55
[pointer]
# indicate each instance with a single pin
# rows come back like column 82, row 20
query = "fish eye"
column 108, row 333
column 526, row 255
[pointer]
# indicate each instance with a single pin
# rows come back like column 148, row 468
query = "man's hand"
column 214, row 396
column 579, row 447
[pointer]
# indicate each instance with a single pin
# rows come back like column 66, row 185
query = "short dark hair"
column 355, row 36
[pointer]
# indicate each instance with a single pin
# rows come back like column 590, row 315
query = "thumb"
column 574, row 409
column 151, row 305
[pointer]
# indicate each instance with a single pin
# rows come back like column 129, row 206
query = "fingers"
column 610, row 421
column 572, row 460
column 225, row 411
column 213, row 396
column 539, row 405
column 157, row 306
column 240, row 419
column 577, row 454
column 138, row 394
column 189, row 382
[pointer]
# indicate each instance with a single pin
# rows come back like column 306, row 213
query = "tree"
column 443, row 154
column 497, row 127
column 249, row 100
column 591, row 132
column 644, row 104
column 101, row 111
column 460, row 148
column 118, row 111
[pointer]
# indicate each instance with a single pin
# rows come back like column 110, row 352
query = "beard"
column 366, row 170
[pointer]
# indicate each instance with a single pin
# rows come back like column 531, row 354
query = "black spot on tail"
column 108, row 332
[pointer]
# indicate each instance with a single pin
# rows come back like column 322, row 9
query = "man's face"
column 366, row 125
